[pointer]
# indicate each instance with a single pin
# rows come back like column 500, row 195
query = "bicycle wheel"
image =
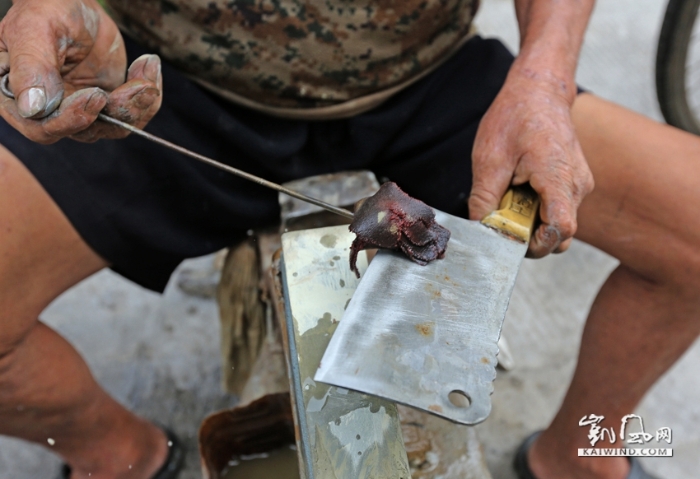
column 678, row 65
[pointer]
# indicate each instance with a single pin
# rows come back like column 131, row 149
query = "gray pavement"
column 159, row 355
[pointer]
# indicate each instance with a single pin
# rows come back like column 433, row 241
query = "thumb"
column 489, row 184
column 35, row 78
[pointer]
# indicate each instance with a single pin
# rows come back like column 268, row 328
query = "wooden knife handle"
column 516, row 214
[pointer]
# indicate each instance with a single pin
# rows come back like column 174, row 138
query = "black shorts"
column 145, row 208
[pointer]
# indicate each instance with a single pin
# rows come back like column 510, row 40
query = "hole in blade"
column 459, row 399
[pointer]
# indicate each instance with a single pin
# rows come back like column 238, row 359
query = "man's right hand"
column 67, row 63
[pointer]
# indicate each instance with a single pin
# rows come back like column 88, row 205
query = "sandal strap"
column 176, row 457
column 520, row 463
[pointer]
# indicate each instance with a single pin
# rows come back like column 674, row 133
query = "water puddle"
column 278, row 464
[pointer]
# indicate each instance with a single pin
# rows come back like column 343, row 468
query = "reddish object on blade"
column 392, row 219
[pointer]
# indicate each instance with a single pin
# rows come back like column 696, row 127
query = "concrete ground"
column 159, row 354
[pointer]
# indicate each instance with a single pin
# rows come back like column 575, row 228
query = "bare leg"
column 643, row 212
column 47, row 394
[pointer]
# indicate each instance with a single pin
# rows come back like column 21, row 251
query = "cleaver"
column 426, row 336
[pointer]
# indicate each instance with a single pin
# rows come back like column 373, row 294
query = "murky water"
column 278, row 464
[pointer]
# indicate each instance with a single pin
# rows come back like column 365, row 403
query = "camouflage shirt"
column 299, row 53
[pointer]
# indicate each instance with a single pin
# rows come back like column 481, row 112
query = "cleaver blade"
column 427, row 336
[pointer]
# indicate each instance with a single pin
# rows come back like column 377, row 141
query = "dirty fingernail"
column 31, row 102
column 550, row 237
column 152, row 68
column 145, row 98
column 96, row 102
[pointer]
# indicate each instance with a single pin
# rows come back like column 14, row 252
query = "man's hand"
column 67, row 63
column 527, row 136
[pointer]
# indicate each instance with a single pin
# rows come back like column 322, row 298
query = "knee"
column 7, row 360
column 17, row 319
column 12, row 336
column 13, row 353
column 675, row 268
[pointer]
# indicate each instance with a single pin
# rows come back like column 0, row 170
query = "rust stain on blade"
column 425, row 329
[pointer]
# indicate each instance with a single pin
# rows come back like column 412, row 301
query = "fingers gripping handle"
column 516, row 214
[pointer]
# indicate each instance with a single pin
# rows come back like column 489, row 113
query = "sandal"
column 522, row 468
column 171, row 467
